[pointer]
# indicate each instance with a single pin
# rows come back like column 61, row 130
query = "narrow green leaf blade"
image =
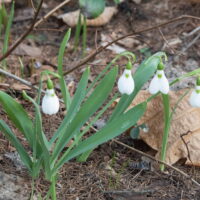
column 90, row 106
column 75, row 105
column 17, row 115
column 111, row 130
column 63, row 86
column 8, row 28
column 16, row 143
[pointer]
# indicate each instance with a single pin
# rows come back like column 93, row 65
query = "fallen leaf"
column 26, row 50
column 71, row 18
column 5, row 1
column 185, row 120
column 19, row 87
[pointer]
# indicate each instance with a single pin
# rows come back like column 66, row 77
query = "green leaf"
column 8, row 28
column 92, row 9
column 18, row 116
column 16, row 143
column 75, row 105
column 63, row 86
column 111, row 130
column 90, row 106
column 78, row 32
column 39, row 137
column 141, row 76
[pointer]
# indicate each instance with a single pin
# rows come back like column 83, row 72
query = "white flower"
column 50, row 102
column 159, row 83
column 126, row 83
column 195, row 97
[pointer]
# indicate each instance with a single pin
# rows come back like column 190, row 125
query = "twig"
column 12, row 48
column 34, row 24
column 191, row 43
column 167, row 43
column 159, row 161
column 32, row 4
column 192, row 32
column 100, row 49
column 186, row 145
column 8, row 74
column 51, row 12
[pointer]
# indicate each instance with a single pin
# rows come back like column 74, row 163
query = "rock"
column 12, row 187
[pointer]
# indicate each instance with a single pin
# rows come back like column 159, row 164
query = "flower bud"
column 126, row 83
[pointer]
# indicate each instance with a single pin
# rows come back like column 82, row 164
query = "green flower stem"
column 32, row 188
column 53, row 188
column 166, row 128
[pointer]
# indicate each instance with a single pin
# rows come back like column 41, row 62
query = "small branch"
column 34, row 24
column 192, row 32
column 159, row 161
column 51, row 12
column 12, row 48
column 8, row 74
column 191, row 43
column 186, row 145
column 32, row 4
column 100, row 49
column 166, row 42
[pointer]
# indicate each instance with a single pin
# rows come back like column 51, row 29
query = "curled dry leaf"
column 5, row 1
column 184, row 135
column 26, row 50
column 71, row 18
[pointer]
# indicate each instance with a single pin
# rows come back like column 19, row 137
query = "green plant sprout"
column 89, row 9
column 88, row 104
column 7, row 31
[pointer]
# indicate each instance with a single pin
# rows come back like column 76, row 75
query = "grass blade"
column 111, row 130
column 8, row 29
column 75, row 105
column 15, row 142
column 18, row 116
column 90, row 106
column 63, row 86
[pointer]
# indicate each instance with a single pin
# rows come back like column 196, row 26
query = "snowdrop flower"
column 50, row 102
column 195, row 95
column 159, row 83
column 126, row 83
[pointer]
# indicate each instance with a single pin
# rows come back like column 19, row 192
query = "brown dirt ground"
column 108, row 174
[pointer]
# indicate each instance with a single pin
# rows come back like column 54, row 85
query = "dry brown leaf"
column 185, row 120
column 5, row 1
column 26, row 50
column 71, row 18
column 19, row 87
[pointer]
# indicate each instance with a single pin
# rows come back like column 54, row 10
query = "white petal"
column 195, row 99
column 164, row 84
column 154, row 85
column 50, row 103
column 126, row 84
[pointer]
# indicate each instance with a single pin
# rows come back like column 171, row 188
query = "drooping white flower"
column 50, row 102
column 159, row 83
column 195, row 97
column 126, row 83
